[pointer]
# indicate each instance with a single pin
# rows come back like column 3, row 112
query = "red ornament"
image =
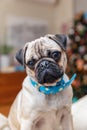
column 76, row 84
column 80, row 64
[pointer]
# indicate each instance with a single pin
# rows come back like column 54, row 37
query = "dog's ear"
column 60, row 39
column 20, row 56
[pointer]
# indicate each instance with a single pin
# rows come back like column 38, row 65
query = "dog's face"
column 45, row 58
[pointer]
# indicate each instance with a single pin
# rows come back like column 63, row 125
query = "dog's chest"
column 41, row 102
column 44, row 110
column 33, row 100
column 46, row 121
column 49, row 111
column 44, row 103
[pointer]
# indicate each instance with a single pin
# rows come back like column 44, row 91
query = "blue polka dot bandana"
column 61, row 85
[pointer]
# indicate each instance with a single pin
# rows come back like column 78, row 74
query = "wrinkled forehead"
column 40, row 46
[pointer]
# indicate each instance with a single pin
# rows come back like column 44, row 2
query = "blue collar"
column 61, row 85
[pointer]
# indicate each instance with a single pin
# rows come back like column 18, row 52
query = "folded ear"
column 60, row 39
column 20, row 56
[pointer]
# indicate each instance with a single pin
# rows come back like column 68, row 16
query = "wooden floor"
column 10, row 85
column 5, row 109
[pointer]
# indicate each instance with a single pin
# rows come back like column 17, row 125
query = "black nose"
column 44, row 64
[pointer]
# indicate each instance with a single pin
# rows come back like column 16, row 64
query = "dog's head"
column 45, row 58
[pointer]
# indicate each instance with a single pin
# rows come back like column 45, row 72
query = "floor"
column 4, row 109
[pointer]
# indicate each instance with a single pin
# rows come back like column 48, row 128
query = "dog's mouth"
column 48, row 72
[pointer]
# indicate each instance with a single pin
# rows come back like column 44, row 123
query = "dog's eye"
column 56, row 55
column 31, row 63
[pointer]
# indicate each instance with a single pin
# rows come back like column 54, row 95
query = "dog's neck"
column 60, row 86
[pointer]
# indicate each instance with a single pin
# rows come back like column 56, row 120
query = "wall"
column 63, row 13
column 80, row 5
column 54, row 14
column 22, row 8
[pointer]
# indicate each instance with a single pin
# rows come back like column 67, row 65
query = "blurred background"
column 22, row 21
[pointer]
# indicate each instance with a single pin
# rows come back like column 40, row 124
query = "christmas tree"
column 77, row 53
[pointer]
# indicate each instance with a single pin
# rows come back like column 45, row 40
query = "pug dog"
column 42, row 103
